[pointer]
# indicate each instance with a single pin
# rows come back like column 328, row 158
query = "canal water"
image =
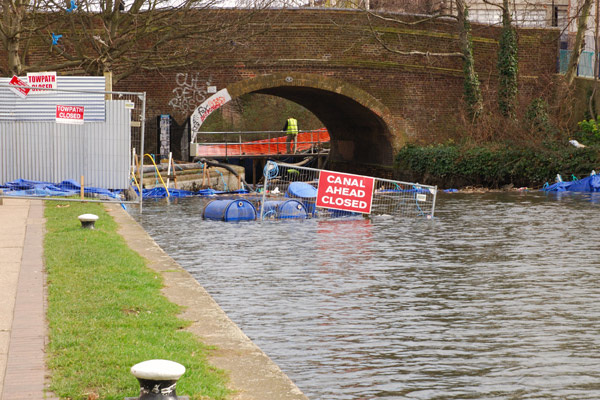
column 498, row 297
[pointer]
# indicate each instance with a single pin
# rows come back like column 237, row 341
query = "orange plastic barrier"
column 277, row 145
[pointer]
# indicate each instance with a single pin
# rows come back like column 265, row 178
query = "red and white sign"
column 69, row 114
column 345, row 192
column 15, row 82
column 206, row 108
column 45, row 80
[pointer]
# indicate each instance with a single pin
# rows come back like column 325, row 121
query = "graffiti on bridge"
column 190, row 91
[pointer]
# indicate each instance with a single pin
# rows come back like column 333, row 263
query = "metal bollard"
column 158, row 379
column 88, row 220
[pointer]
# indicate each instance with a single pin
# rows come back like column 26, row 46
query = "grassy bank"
column 106, row 314
column 494, row 165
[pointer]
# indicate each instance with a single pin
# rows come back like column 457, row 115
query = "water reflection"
column 497, row 298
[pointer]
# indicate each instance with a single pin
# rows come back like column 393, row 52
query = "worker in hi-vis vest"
column 291, row 128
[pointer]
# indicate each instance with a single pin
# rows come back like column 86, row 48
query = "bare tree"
column 96, row 36
column 16, row 27
column 473, row 96
column 591, row 107
column 582, row 21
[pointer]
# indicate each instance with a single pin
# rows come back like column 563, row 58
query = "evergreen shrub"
column 493, row 165
column 589, row 132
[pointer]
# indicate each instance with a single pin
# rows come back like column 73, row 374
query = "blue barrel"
column 229, row 210
column 286, row 209
column 304, row 191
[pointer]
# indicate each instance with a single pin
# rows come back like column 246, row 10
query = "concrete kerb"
column 253, row 375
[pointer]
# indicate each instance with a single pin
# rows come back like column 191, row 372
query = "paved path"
column 22, row 300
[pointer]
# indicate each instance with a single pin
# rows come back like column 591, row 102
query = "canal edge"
column 252, row 374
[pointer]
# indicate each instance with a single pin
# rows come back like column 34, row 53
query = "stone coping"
column 252, row 374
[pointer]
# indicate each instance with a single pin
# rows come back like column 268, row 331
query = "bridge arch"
column 360, row 126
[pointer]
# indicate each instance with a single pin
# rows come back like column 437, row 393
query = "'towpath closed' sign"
column 345, row 192
column 69, row 114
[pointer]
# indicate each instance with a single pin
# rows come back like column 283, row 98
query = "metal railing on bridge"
column 258, row 143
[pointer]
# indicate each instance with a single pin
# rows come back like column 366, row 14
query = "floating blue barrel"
column 229, row 210
column 304, row 191
column 286, row 209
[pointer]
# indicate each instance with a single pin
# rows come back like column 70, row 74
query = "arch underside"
column 357, row 133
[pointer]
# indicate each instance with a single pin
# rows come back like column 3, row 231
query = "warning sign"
column 345, row 192
column 15, row 82
column 45, row 80
column 69, row 114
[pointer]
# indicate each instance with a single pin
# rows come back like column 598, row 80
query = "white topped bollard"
column 158, row 379
column 88, row 220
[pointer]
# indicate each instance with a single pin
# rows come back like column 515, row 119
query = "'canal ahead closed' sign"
column 345, row 192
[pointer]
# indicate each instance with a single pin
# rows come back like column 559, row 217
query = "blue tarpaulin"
column 160, row 192
column 23, row 187
column 588, row 184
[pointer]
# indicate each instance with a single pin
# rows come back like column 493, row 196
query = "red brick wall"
column 422, row 93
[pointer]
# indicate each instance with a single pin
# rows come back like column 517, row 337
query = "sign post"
column 346, row 192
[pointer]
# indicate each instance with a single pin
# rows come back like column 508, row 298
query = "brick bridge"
column 370, row 100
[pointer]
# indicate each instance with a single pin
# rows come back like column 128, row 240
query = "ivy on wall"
column 472, row 90
column 508, row 68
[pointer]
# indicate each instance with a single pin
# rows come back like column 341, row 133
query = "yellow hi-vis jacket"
column 292, row 126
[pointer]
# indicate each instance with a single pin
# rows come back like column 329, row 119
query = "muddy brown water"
column 498, row 297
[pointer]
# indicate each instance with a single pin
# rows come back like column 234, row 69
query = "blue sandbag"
column 229, row 210
column 287, row 209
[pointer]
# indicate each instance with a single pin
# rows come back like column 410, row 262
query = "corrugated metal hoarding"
column 94, row 141
column 70, row 90
column 51, row 152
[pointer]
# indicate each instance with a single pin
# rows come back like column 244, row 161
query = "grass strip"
column 106, row 314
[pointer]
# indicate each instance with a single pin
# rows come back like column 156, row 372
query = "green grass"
column 106, row 314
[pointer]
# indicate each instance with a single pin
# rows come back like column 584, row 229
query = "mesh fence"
column 291, row 191
column 60, row 143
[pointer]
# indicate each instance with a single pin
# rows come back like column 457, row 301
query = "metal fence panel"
column 289, row 181
column 95, row 153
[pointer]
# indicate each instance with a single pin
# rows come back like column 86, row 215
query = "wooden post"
column 81, row 189
column 108, row 85
column 169, row 169
column 174, row 174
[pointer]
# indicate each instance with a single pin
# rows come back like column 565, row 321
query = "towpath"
column 23, row 330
